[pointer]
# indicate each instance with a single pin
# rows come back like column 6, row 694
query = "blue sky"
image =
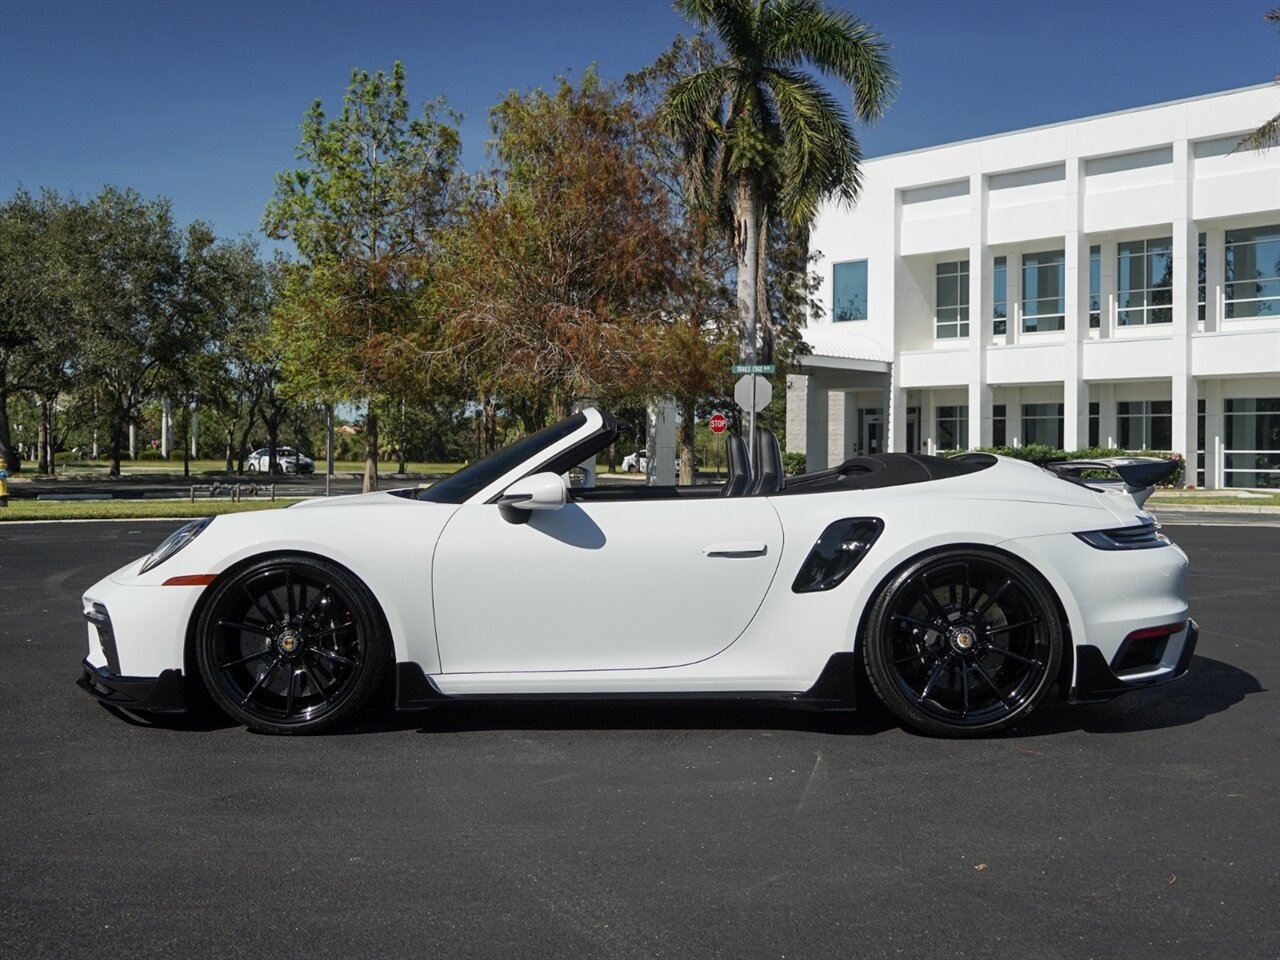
column 201, row 101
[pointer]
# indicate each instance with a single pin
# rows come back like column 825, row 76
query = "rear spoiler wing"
column 1139, row 474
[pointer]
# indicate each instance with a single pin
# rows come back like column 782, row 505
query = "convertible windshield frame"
column 472, row 479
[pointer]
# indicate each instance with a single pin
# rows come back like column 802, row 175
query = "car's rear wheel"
column 291, row 645
column 963, row 643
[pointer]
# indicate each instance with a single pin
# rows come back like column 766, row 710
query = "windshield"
column 471, row 479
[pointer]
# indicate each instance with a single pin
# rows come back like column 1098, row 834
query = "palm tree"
column 1267, row 135
column 763, row 136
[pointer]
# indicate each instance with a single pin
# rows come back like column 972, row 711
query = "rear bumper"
column 162, row 694
column 1097, row 682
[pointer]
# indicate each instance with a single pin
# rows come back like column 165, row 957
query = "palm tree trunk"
column 746, row 244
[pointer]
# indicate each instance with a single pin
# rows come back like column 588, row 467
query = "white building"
column 1110, row 281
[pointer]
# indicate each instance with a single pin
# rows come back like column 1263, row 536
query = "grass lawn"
column 209, row 468
column 130, row 509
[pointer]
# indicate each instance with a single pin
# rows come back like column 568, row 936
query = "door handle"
column 749, row 549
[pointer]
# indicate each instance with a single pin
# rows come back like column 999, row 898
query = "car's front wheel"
column 963, row 643
column 291, row 645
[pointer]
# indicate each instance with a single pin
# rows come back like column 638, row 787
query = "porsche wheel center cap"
column 963, row 639
column 289, row 642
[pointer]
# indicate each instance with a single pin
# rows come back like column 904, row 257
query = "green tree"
column 37, row 339
column 565, row 257
column 374, row 188
column 764, row 138
column 1267, row 135
column 137, row 301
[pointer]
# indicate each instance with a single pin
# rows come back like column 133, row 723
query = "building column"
column 1107, row 289
column 928, row 422
column 1186, row 252
column 1013, row 416
column 1106, row 414
column 1215, row 435
column 1215, row 255
column 1013, row 290
column 807, row 418
column 842, row 425
column 980, row 309
column 1075, row 390
column 895, row 409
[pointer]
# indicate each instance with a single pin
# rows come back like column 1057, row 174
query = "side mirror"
column 542, row 491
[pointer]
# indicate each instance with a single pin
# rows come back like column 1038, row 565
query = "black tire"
column 963, row 643
column 291, row 645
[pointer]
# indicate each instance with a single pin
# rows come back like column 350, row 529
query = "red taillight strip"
column 191, row 580
column 1166, row 631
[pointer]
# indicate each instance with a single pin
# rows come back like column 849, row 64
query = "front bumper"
column 163, row 694
column 1097, row 682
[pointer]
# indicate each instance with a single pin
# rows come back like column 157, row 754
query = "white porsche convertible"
column 966, row 589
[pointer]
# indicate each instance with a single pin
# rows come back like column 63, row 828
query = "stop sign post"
column 719, row 423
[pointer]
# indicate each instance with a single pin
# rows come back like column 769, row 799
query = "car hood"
column 376, row 499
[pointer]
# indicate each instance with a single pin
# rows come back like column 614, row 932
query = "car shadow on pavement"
column 1210, row 686
column 683, row 714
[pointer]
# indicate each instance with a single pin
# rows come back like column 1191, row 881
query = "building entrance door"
column 872, row 432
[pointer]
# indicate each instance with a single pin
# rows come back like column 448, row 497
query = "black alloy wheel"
column 291, row 645
column 963, row 643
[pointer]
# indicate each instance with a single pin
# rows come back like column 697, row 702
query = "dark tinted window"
column 470, row 480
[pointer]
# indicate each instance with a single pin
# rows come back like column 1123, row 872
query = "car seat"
column 739, row 480
column 768, row 472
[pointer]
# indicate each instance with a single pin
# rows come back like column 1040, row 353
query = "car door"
column 601, row 585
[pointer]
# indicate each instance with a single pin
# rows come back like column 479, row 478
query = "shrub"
column 793, row 464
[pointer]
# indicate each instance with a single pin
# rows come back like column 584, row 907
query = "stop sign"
column 719, row 423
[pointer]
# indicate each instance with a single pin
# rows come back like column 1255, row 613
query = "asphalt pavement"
column 1144, row 828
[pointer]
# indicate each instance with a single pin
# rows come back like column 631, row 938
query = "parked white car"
column 288, row 460
column 965, row 590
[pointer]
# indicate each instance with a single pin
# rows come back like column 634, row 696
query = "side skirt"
column 833, row 690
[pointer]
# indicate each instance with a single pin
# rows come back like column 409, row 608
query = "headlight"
column 175, row 542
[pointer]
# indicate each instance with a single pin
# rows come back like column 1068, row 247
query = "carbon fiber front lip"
column 162, row 694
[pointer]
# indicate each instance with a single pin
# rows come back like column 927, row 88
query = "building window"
column 1043, row 282
column 1200, row 297
column 1144, row 424
column 1042, row 423
column 1000, row 297
column 1144, row 282
column 1252, row 442
column 1095, row 424
column 953, row 300
column 953, row 428
column 1095, row 287
column 1253, row 273
column 999, row 434
column 849, row 282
